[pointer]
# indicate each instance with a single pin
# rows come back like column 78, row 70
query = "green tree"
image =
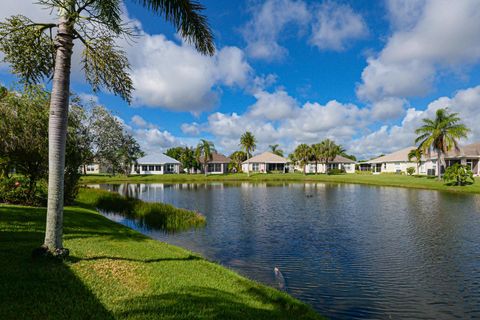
column 416, row 154
column 24, row 143
column 275, row 150
column 34, row 55
column 175, row 152
column 303, row 154
column 238, row 157
column 248, row 143
column 410, row 171
column 316, row 154
column 24, row 132
column 328, row 151
column 460, row 174
column 441, row 135
column 188, row 160
column 204, row 152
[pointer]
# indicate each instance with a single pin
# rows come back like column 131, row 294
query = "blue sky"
column 363, row 73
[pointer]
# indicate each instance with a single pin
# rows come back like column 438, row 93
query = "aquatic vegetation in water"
column 157, row 216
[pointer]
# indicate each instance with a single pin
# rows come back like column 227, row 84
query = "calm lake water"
column 350, row 251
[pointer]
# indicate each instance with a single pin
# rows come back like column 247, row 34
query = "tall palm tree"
column 34, row 55
column 205, row 150
column 417, row 154
column 248, row 143
column 328, row 151
column 274, row 149
column 303, row 153
column 316, row 154
column 441, row 135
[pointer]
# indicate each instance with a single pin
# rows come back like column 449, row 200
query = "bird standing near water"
column 280, row 279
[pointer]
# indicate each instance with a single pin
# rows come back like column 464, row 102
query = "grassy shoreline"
column 114, row 272
column 387, row 180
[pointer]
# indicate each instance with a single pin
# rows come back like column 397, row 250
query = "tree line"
column 94, row 134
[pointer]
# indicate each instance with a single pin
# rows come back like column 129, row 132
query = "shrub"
column 459, row 174
column 335, row 171
column 18, row 190
column 410, row 171
column 363, row 172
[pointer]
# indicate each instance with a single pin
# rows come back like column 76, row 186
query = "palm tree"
column 441, row 135
column 417, row 154
column 303, row 152
column 237, row 159
column 328, row 151
column 34, row 55
column 316, row 154
column 205, row 150
column 274, row 149
column 248, row 143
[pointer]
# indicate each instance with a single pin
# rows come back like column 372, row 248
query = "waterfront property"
column 339, row 163
column 265, row 162
column 217, row 165
column 156, row 164
column 398, row 162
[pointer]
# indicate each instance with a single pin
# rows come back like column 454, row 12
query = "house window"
column 255, row 167
column 151, row 168
column 144, row 168
column 214, row 167
column 470, row 164
column 158, row 168
column 169, row 167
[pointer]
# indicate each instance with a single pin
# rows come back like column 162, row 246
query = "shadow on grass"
column 73, row 259
column 38, row 289
column 209, row 303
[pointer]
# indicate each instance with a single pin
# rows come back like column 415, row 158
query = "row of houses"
column 396, row 162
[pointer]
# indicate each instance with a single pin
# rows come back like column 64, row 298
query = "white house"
column 156, row 164
column 397, row 162
column 340, row 163
column 94, row 168
column 265, row 162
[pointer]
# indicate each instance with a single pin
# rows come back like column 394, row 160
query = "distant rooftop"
column 267, row 157
column 217, row 158
column 157, row 159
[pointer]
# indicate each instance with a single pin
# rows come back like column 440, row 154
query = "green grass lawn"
column 114, row 272
column 393, row 180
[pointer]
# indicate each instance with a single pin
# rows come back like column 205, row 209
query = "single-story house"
column 156, row 164
column 217, row 165
column 397, row 162
column 94, row 168
column 466, row 155
column 265, row 162
column 339, row 162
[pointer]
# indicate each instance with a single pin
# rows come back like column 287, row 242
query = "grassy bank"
column 153, row 215
column 392, row 180
column 116, row 273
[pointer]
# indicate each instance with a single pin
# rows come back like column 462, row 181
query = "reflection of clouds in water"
column 351, row 251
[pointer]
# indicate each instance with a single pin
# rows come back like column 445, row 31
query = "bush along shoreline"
column 154, row 216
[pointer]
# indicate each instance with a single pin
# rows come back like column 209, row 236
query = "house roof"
column 267, row 157
column 397, row 156
column 157, row 159
column 469, row 150
column 341, row 159
column 217, row 158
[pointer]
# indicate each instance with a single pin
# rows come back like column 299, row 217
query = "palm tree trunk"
column 248, row 165
column 57, row 136
column 205, row 168
column 439, row 166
